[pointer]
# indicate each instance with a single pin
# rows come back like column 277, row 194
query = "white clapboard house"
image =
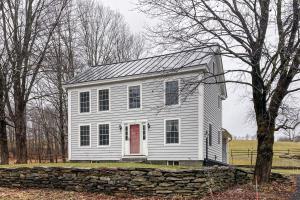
column 153, row 109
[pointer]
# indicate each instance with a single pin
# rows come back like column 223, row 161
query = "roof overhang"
column 191, row 69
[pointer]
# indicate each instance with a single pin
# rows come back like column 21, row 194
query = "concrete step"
column 134, row 159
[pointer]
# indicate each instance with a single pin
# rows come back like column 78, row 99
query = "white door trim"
column 143, row 143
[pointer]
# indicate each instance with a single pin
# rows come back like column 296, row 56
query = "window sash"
column 134, row 97
column 84, row 102
column 172, row 131
column 172, row 92
column 103, row 134
column 85, row 135
column 144, row 132
column 210, row 135
column 103, row 100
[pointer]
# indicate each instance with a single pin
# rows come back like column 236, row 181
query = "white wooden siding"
column 212, row 115
column 153, row 111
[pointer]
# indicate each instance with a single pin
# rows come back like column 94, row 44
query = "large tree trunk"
column 21, row 140
column 3, row 143
column 3, row 132
column 265, row 138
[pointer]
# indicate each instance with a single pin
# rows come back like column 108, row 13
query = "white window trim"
column 141, row 96
column 90, row 95
column 179, row 91
column 79, row 138
column 179, row 132
column 109, row 100
column 98, row 139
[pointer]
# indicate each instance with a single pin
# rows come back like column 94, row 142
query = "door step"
column 134, row 159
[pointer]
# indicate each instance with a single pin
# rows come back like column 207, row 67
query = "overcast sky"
column 236, row 107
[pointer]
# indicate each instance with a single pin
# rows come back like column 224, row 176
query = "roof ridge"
column 167, row 54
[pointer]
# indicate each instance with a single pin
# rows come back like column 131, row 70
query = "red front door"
column 134, row 139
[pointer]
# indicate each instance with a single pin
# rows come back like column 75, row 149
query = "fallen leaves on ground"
column 272, row 191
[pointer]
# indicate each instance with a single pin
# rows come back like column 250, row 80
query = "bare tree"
column 27, row 30
column 262, row 34
column 104, row 35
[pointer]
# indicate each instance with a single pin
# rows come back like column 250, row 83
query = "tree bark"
column 21, row 140
column 264, row 159
column 3, row 132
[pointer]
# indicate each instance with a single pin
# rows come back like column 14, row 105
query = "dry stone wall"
column 120, row 181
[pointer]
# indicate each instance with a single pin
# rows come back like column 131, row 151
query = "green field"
column 240, row 153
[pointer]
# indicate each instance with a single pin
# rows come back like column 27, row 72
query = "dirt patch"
column 272, row 191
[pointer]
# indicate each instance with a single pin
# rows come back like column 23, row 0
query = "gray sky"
column 236, row 108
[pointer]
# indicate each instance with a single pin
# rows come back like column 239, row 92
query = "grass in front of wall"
column 99, row 165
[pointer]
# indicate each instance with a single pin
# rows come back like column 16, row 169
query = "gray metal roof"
column 161, row 63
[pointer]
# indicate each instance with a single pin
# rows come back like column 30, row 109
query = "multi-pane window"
column 172, row 131
column 210, row 134
column 144, row 132
column 103, row 134
column 85, row 135
column 84, row 102
column 103, row 100
column 219, row 137
column 126, row 133
column 219, row 101
column 134, row 96
column 171, row 93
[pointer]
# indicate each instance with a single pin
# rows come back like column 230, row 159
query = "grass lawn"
column 245, row 159
column 98, row 165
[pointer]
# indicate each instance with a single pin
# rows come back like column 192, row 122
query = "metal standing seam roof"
column 161, row 63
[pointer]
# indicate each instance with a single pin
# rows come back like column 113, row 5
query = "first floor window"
column 219, row 137
column 85, row 135
column 210, row 135
column 134, row 96
column 172, row 131
column 84, row 102
column 103, row 134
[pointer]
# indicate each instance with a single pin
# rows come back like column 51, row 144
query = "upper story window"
column 134, row 97
column 85, row 135
column 84, row 102
column 172, row 92
column 219, row 101
column 210, row 135
column 103, row 96
column 103, row 134
column 219, row 137
column 172, row 131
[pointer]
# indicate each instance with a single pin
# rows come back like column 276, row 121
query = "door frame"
column 143, row 143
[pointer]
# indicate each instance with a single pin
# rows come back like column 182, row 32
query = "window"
column 84, row 102
column 103, row 99
column 172, row 131
column 219, row 137
column 103, row 134
column 219, row 102
column 210, row 135
column 214, row 68
column 85, row 135
column 126, row 133
column 144, row 132
column 134, row 97
column 173, row 163
column 171, row 93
